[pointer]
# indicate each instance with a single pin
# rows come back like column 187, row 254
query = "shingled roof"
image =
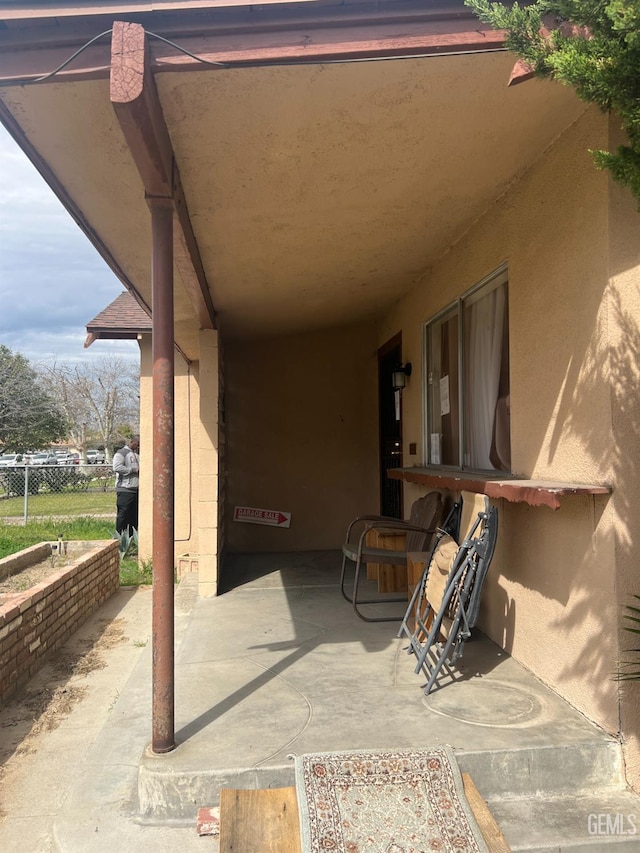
column 121, row 320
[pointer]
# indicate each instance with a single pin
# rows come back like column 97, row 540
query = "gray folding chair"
column 426, row 515
column 445, row 604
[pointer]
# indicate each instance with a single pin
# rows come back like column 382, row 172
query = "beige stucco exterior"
column 300, row 440
column 301, row 424
column 302, row 436
column 335, row 206
column 559, row 579
column 190, row 435
column 204, row 465
column 623, row 317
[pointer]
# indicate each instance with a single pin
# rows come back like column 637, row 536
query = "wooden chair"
column 415, row 535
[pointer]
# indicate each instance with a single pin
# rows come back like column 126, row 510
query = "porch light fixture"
column 399, row 376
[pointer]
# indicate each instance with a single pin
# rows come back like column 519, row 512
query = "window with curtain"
column 467, row 372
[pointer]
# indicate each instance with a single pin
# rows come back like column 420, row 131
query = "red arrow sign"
column 270, row 517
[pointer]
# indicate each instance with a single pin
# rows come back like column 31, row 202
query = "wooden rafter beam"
column 333, row 43
column 340, row 33
column 137, row 106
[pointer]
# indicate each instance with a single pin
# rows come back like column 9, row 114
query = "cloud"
column 52, row 280
column 64, row 345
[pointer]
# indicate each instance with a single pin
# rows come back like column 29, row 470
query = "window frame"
column 456, row 308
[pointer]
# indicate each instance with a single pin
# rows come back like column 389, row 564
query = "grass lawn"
column 15, row 538
column 134, row 573
column 63, row 503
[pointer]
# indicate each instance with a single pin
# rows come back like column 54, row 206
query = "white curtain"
column 484, row 327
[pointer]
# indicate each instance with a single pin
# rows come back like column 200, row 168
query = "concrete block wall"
column 207, row 463
column 36, row 622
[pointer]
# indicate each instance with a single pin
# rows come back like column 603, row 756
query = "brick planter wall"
column 36, row 622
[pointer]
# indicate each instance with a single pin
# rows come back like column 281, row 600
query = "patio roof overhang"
column 304, row 175
column 320, row 158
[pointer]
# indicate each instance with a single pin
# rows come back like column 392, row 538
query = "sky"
column 52, row 280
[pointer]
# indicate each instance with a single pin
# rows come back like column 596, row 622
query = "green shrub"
column 67, row 477
column 13, row 481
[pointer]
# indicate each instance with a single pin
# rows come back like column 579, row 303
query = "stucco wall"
column 550, row 597
column 302, row 430
column 624, row 368
column 206, row 461
column 186, row 433
column 145, row 511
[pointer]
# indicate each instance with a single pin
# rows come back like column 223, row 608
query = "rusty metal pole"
column 162, row 719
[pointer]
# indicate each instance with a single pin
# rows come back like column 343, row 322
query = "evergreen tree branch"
column 592, row 46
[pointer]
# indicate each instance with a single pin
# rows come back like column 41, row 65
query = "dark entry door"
column 390, row 416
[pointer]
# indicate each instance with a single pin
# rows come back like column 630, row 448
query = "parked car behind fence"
column 10, row 459
column 44, row 458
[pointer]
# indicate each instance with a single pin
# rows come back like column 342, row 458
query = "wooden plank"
column 390, row 578
column 266, row 820
column 303, row 43
column 135, row 100
column 495, row 840
column 251, row 34
column 372, row 568
column 259, row 821
column 416, row 564
column 532, row 492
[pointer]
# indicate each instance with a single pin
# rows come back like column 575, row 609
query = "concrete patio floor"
column 279, row 664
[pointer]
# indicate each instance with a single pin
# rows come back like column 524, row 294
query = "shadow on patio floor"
column 280, row 664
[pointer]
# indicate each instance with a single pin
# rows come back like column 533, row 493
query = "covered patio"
column 296, row 192
column 279, row 664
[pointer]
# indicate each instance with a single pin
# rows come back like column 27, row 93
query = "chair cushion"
column 472, row 504
column 441, row 563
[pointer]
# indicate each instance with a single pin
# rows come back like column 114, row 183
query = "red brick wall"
column 38, row 621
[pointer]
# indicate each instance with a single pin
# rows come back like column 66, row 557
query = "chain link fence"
column 49, row 491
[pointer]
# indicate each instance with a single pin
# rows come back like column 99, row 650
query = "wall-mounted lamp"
column 399, row 376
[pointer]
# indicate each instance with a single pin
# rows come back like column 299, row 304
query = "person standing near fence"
column 126, row 464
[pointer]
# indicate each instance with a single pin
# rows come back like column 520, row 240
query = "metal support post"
column 26, row 490
column 163, row 726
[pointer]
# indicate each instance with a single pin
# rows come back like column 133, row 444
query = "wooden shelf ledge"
column 532, row 492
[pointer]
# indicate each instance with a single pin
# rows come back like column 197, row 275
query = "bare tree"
column 97, row 398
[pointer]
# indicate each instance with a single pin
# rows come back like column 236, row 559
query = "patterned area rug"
column 406, row 801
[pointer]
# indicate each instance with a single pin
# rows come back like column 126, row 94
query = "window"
column 467, row 370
